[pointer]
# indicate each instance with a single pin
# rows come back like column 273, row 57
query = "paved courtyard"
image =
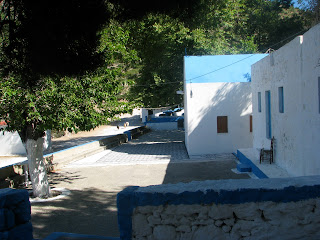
column 154, row 158
column 151, row 148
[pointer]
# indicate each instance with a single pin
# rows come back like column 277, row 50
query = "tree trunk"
column 38, row 174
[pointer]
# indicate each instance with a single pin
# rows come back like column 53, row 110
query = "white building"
column 286, row 104
column 11, row 144
column 217, row 100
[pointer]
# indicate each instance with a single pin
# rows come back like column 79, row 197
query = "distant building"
column 286, row 104
column 218, row 103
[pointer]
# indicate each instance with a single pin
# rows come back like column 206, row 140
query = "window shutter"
column 222, row 124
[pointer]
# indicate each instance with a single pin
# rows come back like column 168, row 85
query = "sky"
column 220, row 68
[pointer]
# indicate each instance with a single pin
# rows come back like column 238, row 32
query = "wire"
column 189, row 80
column 245, row 57
column 220, row 68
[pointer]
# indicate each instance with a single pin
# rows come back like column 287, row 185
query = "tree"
column 57, row 72
column 162, row 40
column 312, row 9
column 163, row 35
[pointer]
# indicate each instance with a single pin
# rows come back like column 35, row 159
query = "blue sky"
column 219, row 68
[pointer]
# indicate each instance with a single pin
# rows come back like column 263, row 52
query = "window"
column 281, row 104
column 250, row 123
column 259, row 101
column 222, row 124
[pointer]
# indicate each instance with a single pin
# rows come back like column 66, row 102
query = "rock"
column 152, row 220
column 164, row 232
column 226, row 228
column 184, row 228
column 220, row 212
column 210, row 232
column 140, row 226
column 229, row 221
column 218, row 223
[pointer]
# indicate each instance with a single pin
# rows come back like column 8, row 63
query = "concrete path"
column 154, row 158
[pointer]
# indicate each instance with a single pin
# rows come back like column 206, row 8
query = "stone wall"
column 224, row 209
column 15, row 215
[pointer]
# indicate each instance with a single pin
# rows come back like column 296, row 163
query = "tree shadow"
column 67, row 177
column 152, row 146
column 88, row 211
column 202, row 171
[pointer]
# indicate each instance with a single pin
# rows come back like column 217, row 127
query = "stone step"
column 243, row 168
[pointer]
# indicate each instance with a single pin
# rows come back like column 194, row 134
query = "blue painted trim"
column 126, row 204
column 244, row 160
column 244, row 168
column 163, row 119
column 58, row 235
column 128, row 134
column 268, row 114
column 129, row 199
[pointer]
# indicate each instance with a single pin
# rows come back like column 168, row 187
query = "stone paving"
column 151, row 148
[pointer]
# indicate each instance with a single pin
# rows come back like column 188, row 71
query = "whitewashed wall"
column 296, row 68
column 11, row 143
column 209, row 100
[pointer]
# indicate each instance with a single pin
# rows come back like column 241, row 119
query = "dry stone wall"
column 287, row 208
column 265, row 220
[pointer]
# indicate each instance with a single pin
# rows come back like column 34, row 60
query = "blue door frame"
column 268, row 114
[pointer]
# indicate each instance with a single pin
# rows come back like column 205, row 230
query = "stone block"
column 184, row 221
column 140, row 225
column 229, row 221
column 218, row 223
column 152, row 220
column 220, row 211
column 164, row 232
column 248, row 211
column 226, row 228
column 183, row 228
column 210, row 232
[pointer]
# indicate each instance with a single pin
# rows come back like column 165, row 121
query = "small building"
column 148, row 113
column 286, row 104
column 217, row 100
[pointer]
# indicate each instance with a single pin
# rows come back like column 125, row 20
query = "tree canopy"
column 76, row 64
column 162, row 36
column 61, row 65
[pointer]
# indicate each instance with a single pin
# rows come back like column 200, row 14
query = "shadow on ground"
column 66, row 177
column 89, row 211
column 201, row 171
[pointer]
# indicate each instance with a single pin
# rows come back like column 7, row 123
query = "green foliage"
column 39, row 93
column 205, row 27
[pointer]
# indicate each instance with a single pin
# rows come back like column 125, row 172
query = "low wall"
column 15, row 215
column 225, row 209
column 165, row 123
